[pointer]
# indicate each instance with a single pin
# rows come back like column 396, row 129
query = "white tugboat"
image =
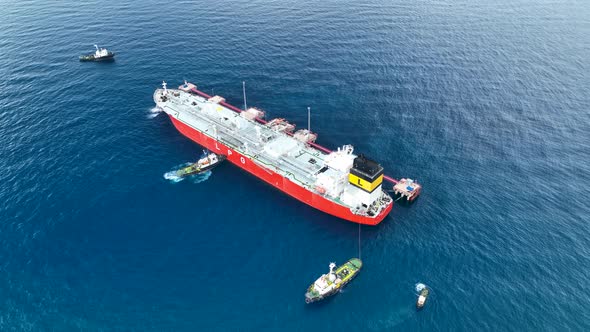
column 100, row 54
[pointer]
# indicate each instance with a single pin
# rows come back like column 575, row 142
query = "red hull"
column 277, row 180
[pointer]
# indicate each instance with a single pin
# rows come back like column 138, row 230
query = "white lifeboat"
column 305, row 136
column 187, row 87
column 216, row 99
column 280, row 125
column 252, row 113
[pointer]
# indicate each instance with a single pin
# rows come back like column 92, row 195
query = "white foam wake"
column 154, row 111
column 195, row 178
column 171, row 175
column 198, row 178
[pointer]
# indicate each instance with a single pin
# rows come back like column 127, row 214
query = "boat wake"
column 420, row 287
column 196, row 178
column 154, row 111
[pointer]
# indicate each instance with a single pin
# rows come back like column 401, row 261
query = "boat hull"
column 91, row 57
column 276, row 180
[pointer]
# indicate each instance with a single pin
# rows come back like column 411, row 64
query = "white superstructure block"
column 355, row 196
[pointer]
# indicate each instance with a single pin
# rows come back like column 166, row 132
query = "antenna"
column 244, row 90
column 309, row 119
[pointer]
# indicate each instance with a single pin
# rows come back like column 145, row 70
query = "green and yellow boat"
column 207, row 162
column 333, row 281
column 422, row 295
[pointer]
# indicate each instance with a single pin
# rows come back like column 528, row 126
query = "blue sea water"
column 486, row 103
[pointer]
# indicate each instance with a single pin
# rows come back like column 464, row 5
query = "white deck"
column 276, row 151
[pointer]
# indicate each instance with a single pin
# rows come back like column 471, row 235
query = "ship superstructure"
column 338, row 182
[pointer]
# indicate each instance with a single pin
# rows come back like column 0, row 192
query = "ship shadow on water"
column 105, row 61
column 325, row 302
column 404, row 202
column 100, row 63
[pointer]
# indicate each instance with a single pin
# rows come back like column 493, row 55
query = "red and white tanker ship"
column 337, row 182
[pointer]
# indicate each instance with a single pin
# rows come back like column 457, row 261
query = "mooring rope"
column 359, row 241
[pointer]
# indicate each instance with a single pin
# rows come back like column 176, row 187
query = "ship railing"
column 224, row 129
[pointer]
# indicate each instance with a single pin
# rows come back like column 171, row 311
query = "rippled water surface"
column 487, row 103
